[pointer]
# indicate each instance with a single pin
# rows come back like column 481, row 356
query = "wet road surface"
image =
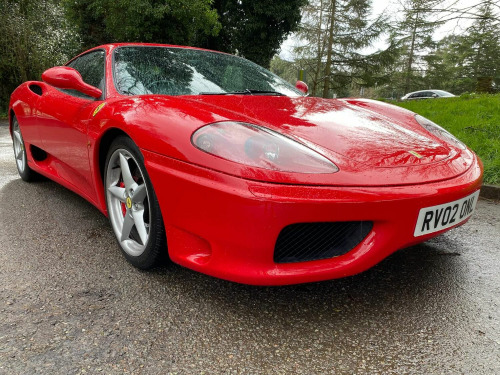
column 71, row 304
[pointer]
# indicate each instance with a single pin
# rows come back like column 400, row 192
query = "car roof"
column 121, row 44
column 433, row 90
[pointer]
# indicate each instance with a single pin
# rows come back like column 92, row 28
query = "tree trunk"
column 410, row 55
column 320, row 50
column 328, row 67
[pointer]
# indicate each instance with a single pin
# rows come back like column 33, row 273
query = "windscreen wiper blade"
column 244, row 92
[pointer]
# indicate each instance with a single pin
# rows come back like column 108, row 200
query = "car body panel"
column 222, row 218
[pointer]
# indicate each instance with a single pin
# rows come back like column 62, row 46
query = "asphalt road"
column 71, row 304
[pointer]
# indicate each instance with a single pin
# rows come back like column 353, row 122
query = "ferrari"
column 215, row 163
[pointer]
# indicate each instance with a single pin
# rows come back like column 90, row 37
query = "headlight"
column 260, row 147
column 438, row 131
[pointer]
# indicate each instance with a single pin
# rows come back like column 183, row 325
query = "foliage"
column 333, row 33
column 479, row 51
column 159, row 21
column 445, row 68
column 456, row 63
column 468, row 62
column 413, row 37
column 474, row 119
column 254, row 29
column 35, row 36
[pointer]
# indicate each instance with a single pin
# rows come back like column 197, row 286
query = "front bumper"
column 227, row 226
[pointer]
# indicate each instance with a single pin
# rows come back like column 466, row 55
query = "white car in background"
column 427, row 94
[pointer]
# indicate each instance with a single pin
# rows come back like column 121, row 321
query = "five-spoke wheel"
column 132, row 206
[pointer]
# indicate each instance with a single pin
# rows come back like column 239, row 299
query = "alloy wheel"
column 128, row 202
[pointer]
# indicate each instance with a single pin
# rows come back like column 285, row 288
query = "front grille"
column 314, row 241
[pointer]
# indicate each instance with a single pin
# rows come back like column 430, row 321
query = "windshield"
column 140, row 70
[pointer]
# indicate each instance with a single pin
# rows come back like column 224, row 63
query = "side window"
column 91, row 68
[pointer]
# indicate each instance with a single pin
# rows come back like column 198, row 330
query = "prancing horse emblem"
column 416, row 154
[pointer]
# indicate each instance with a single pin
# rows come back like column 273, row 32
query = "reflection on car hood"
column 366, row 132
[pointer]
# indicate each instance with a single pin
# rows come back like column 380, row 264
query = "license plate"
column 436, row 218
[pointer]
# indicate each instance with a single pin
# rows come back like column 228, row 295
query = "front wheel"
column 132, row 205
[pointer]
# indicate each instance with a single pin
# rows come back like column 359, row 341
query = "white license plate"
column 436, row 218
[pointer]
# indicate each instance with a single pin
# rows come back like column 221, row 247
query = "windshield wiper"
column 244, row 92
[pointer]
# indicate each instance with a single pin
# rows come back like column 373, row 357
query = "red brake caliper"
column 124, row 208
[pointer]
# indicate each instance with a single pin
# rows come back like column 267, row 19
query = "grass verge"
column 474, row 119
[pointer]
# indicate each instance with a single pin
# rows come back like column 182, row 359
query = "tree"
column 251, row 28
column 479, row 50
column 160, row 21
column 254, row 29
column 468, row 62
column 333, row 33
column 445, row 68
column 35, row 36
column 413, row 35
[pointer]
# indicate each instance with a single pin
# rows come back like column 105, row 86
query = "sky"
column 379, row 6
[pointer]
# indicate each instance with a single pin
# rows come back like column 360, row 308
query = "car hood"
column 354, row 130
column 372, row 143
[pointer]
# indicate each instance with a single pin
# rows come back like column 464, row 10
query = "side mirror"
column 434, row 95
column 64, row 77
column 302, row 86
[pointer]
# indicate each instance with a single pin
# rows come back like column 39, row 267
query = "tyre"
column 133, row 208
column 26, row 173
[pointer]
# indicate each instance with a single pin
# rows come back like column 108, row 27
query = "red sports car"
column 233, row 172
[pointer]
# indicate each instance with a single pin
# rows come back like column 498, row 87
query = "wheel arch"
column 104, row 144
column 12, row 115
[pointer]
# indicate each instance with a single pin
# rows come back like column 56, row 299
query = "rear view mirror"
column 64, row 77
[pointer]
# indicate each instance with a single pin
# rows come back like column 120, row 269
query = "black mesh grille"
column 314, row 241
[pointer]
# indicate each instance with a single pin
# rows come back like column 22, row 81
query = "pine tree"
column 333, row 33
column 413, row 35
column 479, row 49
column 468, row 62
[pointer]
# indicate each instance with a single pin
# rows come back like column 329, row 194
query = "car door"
column 64, row 116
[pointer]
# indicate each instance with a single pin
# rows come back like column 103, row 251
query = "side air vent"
column 37, row 153
column 36, row 89
column 314, row 241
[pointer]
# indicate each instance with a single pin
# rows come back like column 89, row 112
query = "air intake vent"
column 313, row 241
column 36, row 89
